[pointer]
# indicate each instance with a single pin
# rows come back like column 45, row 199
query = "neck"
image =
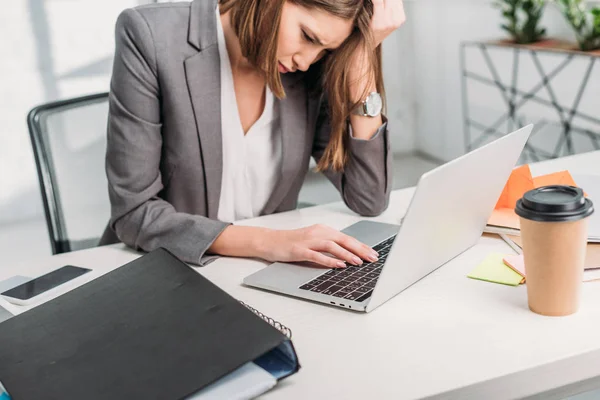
column 238, row 62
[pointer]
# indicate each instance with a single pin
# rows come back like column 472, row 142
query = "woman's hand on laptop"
column 319, row 244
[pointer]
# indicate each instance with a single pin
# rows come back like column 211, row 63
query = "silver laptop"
column 446, row 216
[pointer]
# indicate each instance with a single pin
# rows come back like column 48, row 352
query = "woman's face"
column 306, row 35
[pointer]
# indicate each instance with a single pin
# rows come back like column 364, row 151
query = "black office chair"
column 69, row 145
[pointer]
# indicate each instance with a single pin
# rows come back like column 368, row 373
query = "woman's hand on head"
column 318, row 244
column 388, row 15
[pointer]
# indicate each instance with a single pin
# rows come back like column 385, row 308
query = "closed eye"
column 313, row 41
column 308, row 38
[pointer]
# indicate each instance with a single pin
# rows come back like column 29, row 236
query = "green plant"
column 522, row 19
column 585, row 23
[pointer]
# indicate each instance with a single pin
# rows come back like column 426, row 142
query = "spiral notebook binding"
column 276, row 324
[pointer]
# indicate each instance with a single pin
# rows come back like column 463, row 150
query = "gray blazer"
column 164, row 155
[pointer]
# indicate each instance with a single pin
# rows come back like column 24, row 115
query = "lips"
column 283, row 69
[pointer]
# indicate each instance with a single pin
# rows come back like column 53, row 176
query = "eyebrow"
column 315, row 37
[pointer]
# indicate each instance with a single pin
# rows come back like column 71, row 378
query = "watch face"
column 373, row 104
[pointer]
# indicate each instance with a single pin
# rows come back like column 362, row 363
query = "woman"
column 215, row 113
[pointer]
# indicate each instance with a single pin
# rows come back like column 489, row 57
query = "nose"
column 301, row 63
column 304, row 59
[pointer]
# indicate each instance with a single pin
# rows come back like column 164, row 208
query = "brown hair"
column 256, row 24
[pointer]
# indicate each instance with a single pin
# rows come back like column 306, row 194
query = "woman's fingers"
column 388, row 15
column 321, row 259
column 399, row 14
column 378, row 11
column 378, row 6
column 360, row 249
column 338, row 251
column 349, row 243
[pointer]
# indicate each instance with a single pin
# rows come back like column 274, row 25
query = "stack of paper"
column 247, row 382
column 517, row 264
column 592, row 254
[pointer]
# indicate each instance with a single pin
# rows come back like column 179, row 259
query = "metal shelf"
column 514, row 98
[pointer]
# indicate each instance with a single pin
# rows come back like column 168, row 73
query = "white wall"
column 398, row 71
column 438, row 27
column 51, row 49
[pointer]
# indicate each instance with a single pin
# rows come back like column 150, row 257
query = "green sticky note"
column 492, row 269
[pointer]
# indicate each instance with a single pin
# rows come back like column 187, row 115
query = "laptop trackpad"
column 370, row 232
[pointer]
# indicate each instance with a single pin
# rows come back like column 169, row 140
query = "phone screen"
column 45, row 282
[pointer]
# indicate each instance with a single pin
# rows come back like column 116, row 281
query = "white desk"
column 447, row 336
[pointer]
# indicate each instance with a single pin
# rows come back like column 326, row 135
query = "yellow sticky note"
column 492, row 269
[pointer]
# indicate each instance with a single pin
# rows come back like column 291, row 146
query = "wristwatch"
column 371, row 107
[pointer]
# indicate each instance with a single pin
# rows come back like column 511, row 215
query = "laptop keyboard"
column 353, row 282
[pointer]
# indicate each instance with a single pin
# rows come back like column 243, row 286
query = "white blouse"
column 251, row 162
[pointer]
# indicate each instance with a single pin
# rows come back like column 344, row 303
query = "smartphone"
column 42, row 286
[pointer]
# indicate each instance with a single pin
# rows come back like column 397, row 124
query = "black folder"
column 151, row 329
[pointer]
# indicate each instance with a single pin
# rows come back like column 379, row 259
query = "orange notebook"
column 520, row 182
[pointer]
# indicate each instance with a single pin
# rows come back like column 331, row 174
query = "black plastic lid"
column 554, row 204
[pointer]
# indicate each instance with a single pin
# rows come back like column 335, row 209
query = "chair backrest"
column 69, row 145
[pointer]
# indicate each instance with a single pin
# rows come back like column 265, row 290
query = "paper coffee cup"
column 554, row 228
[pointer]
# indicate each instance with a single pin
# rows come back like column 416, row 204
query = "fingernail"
column 356, row 260
column 341, row 264
column 373, row 258
column 375, row 254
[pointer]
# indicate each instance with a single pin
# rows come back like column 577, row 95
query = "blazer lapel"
column 294, row 125
column 203, row 76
